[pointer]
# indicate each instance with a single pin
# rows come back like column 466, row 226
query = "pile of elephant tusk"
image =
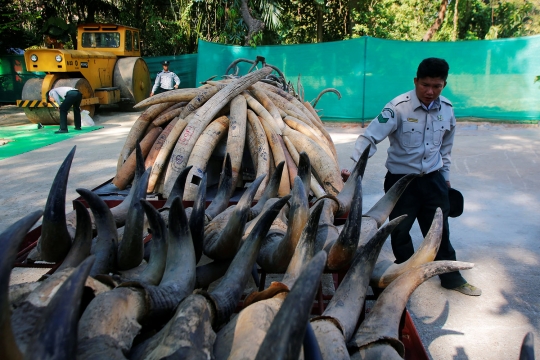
column 116, row 297
column 182, row 128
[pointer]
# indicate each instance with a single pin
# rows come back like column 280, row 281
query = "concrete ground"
column 496, row 167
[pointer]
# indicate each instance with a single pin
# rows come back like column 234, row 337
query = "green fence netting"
column 488, row 78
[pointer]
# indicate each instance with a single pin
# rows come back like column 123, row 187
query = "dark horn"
column 344, row 248
column 10, row 241
column 382, row 324
column 197, row 219
column 284, row 337
column 304, row 171
column 270, row 191
column 130, row 250
column 178, row 187
column 305, row 249
column 55, row 239
column 348, row 299
column 527, row 347
column 153, row 273
column 226, row 246
column 82, row 243
column 226, row 295
column 104, row 248
column 221, row 200
column 345, row 195
column 382, row 209
column 55, row 337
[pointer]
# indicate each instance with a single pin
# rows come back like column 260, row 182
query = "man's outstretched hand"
column 345, row 174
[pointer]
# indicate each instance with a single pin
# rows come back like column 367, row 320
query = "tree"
column 437, row 24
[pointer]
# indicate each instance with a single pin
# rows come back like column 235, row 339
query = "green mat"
column 24, row 138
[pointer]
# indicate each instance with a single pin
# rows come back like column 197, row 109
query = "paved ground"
column 496, row 167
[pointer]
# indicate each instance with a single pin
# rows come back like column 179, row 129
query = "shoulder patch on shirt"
column 382, row 119
column 385, row 115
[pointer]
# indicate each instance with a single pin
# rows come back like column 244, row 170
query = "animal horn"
column 527, row 347
column 386, row 271
column 270, row 191
column 130, row 250
column 83, row 239
column 382, row 209
column 343, row 249
column 10, row 240
column 348, row 300
column 55, row 239
column 304, row 171
column 104, row 247
column 197, row 219
column 153, row 272
column 179, row 277
column 221, row 200
column 178, row 187
column 226, row 245
column 55, row 337
column 305, row 247
column 284, row 337
column 344, row 197
column 380, row 329
column 226, row 295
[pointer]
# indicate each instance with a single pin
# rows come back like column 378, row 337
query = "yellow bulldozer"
column 106, row 68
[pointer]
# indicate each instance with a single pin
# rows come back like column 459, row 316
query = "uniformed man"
column 165, row 80
column 420, row 126
column 66, row 97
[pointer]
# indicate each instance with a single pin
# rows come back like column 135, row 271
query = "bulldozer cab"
column 118, row 39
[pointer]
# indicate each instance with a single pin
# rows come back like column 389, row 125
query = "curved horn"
column 284, row 337
column 208, row 273
column 55, row 336
column 107, row 237
column 178, row 187
column 527, row 347
column 385, row 271
column 345, row 196
column 305, row 247
column 83, row 239
column 221, row 200
column 348, row 300
column 197, row 220
column 153, row 272
column 382, row 209
column 226, row 295
column 226, row 246
column 270, row 191
column 381, row 325
column 130, row 250
column 10, row 240
column 179, row 277
column 55, row 239
column 304, row 171
column 343, row 249
column 275, row 256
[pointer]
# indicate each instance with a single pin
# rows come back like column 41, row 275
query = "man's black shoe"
column 61, row 132
column 78, row 129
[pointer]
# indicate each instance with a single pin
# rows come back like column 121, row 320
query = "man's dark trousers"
column 419, row 201
column 73, row 98
column 161, row 90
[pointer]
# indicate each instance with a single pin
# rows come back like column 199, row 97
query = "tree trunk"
column 254, row 25
column 437, row 24
column 456, row 18
column 319, row 25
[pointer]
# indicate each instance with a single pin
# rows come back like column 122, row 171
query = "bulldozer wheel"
column 131, row 75
column 51, row 116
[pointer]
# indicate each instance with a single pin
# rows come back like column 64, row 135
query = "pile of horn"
column 109, row 300
column 181, row 128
